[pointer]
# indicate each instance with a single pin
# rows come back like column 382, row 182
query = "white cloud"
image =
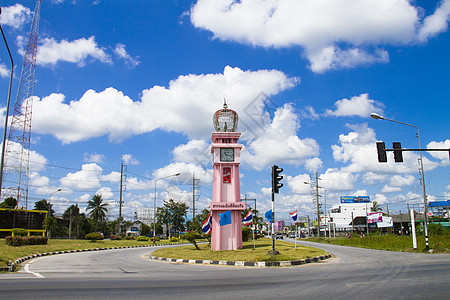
column 93, row 157
column 50, row 52
column 87, row 178
column 360, row 106
column 120, row 51
column 313, row 164
column 15, row 16
column 186, row 106
column 297, row 184
column 314, row 25
column 37, row 162
column 442, row 155
column 278, row 142
column 128, row 159
column 435, row 23
column 186, row 170
column 337, row 180
column 333, row 58
column 4, row 72
column 195, row 152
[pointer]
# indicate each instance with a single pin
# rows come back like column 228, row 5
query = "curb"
column 17, row 262
column 258, row 264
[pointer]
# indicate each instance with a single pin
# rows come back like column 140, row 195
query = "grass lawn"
column 391, row 242
column 247, row 253
column 8, row 252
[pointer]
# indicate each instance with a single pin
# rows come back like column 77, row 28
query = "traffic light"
column 398, row 157
column 276, row 178
column 381, row 150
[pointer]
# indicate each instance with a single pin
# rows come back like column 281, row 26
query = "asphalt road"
column 126, row 274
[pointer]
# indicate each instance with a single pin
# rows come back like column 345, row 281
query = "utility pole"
column 317, row 204
column 195, row 183
column 120, row 199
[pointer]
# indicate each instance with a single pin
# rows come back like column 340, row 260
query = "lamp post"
column 49, row 200
column 154, row 204
column 379, row 117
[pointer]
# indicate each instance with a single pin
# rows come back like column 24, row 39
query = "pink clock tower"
column 226, row 185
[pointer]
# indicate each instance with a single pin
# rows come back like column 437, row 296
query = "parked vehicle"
column 279, row 235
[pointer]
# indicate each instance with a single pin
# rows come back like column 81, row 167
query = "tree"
column 376, row 207
column 177, row 212
column 73, row 215
column 196, row 223
column 97, row 209
column 49, row 225
column 9, row 202
column 44, row 205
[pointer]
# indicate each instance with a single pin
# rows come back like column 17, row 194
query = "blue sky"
column 140, row 80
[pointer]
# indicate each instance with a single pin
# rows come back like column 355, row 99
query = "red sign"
column 226, row 175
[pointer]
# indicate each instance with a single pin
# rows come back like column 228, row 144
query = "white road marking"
column 31, row 272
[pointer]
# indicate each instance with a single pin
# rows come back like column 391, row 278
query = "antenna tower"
column 18, row 144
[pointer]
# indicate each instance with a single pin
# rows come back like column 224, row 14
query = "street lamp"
column 49, row 200
column 154, row 204
column 379, row 117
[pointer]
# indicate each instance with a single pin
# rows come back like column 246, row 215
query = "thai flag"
column 207, row 224
column 248, row 220
column 294, row 215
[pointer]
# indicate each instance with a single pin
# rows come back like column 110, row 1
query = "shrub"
column 129, row 237
column 115, row 237
column 20, row 232
column 173, row 239
column 14, row 240
column 142, row 238
column 35, row 240
column 246, row 232
column 191, row 236
column 94, row 236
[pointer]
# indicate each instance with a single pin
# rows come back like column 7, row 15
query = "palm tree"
column 73, row 214
column 49, row 224
column 98, row 209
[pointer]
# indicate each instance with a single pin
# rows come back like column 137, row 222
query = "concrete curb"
column 17, row 262
column 258, row 264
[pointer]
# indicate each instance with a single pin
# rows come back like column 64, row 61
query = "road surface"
column 126, row 274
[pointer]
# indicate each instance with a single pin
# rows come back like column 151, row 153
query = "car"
column 292, row 235
column 279, row 235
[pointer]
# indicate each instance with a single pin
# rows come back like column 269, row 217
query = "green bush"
column 20, row 232
column 35, row 240
column 246, row 233
column 191, row 236
column 142, row 238
column 173, row 239
column 436, row 228
column 14, row 240
column 129, row 237
column 115, row 237
column 94, row 236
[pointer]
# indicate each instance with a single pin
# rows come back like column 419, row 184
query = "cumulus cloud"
column 93, row 157
column 360, row 106
column 442, row 155
column 51, row 52
column 278, row 142
column 15, row 16
column 195, row 152
column 186, row 106
column 435, row 23
column 87, row 178
column 313, row 164
column 128, row 159
column 4, row 72
column 37, row 162
column 333, row 33
column 186, row 171
column 120, row 51
column 297, row 184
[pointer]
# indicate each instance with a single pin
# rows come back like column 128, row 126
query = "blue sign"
column 355, row 199
column 134, row 229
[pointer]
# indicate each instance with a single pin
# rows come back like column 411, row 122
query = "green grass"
column 8, row 252
column 247, row 253
column 391, row 242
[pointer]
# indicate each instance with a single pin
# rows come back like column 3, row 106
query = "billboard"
column 355, row 199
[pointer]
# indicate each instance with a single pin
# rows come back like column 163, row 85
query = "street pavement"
column 352, row 273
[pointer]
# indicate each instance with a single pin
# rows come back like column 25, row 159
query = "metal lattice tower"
column 17, row 154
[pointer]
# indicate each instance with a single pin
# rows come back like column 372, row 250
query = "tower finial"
column 225, row 103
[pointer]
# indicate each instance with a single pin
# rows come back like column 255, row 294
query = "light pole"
column 379, row 117
column 49, row 200
column 154, row 204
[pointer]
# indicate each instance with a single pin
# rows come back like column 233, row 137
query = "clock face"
column 226, row 154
